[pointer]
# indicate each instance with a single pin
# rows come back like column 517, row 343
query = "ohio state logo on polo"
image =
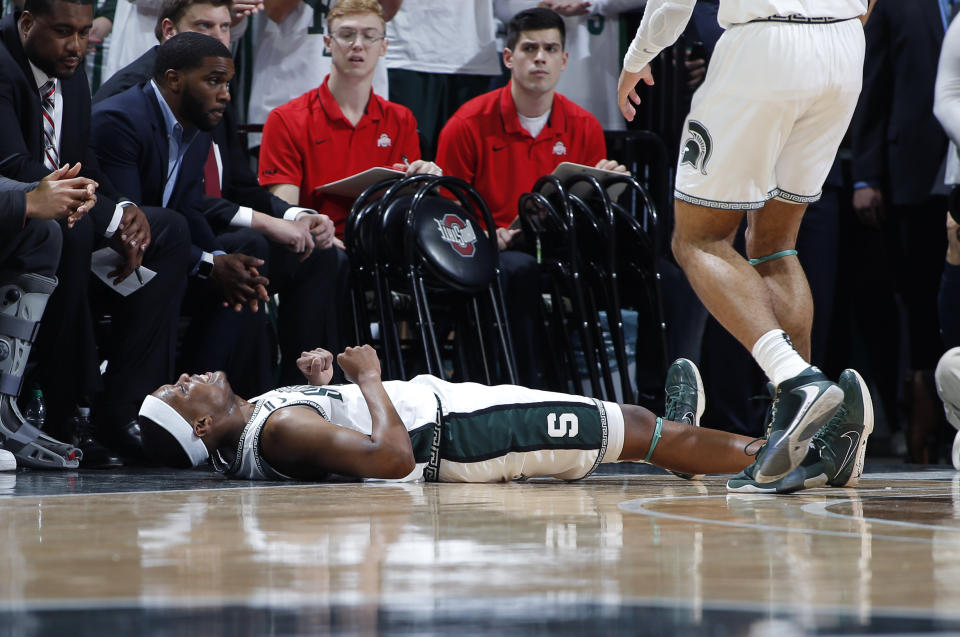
column 459, row 234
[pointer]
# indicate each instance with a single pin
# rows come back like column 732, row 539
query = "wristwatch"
column 205, row 267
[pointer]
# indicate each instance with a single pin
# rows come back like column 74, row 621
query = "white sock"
column 777, row 358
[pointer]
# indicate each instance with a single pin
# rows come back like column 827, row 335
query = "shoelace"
column 832, row 426
column 773, row 412
column 673, row 402
column 770, row 415
column 746, row 447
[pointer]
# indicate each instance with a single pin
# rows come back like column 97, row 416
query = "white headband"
column 178, row 427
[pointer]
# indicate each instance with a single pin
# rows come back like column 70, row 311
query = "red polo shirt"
column 308, row 142
column 484, row 144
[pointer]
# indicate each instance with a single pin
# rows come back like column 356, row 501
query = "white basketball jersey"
column 741, row 11
column 343, row 405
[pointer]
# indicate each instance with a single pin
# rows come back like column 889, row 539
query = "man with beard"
column 45, row 110
column 155, row 138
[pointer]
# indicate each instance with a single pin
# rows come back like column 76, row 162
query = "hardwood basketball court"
column 627, row 551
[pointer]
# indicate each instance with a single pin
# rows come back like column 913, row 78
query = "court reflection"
column 347, row 550
column 864, row 549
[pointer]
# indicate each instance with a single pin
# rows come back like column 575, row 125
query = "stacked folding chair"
column 421, row 259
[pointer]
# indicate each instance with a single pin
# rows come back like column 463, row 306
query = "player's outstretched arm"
column 663, row 22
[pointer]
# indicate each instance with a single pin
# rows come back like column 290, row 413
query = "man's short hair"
column 537, row 19
column 45, row 7
column 343, row 8
column 186, row 51
column 174, row 10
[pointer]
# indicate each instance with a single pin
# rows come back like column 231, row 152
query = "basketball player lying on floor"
column 460, row 432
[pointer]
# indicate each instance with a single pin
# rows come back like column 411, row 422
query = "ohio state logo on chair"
column 459, row 233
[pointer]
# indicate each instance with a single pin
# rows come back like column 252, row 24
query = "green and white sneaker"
column 802, row 405
column 835, row 454
column 842, row 442
column 809, row 475
column 685, row 398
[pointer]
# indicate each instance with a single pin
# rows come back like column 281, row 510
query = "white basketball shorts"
column 767, row 122
column 507, row 432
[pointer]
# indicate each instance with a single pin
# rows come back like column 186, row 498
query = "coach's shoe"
column 801, row 406
column 8, row 462
column 685, row 398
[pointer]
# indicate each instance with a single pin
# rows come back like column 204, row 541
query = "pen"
column 405, row 162
column 139, row 278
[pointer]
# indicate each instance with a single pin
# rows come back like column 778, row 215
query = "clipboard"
column 354, row 185
column 568, row 169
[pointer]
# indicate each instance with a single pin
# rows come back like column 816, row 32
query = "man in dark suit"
column 29, row 253
column 899, row 197
column 227, row 170
column 137, row 132
column 42, row 48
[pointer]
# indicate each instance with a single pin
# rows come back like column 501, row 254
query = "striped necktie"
column 50, row 153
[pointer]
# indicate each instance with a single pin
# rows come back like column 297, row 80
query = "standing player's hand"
column 360, row 364
column 316, row 366
column 627, row 90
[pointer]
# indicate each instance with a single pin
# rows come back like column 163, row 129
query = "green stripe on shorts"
column 496, row 431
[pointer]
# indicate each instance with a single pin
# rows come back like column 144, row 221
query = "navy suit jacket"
column 21, row 136
column 898, row 144
column 130, row 140
column 13, row 206
column 238, row 183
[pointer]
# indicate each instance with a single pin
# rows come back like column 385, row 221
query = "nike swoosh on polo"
column 854, row 443
column 496, row 148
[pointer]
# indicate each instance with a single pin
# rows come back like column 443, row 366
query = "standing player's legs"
column 773, row 230
column 732, row 290
column 766, row 124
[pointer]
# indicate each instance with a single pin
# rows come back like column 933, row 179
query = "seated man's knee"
column 41, row 246
column 518, row 265
column 48, row 234
column 169, row 231
column 247, row 241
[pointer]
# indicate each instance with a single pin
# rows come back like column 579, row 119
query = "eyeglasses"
column 368, row 37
